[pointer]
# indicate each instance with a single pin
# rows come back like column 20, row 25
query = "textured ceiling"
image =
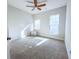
column 50, row 4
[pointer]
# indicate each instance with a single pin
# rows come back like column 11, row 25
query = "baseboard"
column 52, row 36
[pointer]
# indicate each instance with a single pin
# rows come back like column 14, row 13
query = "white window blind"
column 54, row 24
column 37, row 24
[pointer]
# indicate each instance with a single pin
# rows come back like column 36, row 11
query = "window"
column 37, row 24
column 54, row 24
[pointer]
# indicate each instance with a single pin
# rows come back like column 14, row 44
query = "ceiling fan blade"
column 35, row 3
column 29, row 6
column 41, row 5
column 38, row 8
column 29, row 1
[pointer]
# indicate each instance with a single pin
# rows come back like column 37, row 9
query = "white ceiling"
column 50, row 4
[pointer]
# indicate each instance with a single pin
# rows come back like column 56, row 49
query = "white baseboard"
column 52, row 36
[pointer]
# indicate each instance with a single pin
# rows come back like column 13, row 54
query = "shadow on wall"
column 26, row 30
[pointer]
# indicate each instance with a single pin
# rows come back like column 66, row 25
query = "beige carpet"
column 37, row 48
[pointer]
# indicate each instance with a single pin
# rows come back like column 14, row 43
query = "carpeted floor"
column 37, row 48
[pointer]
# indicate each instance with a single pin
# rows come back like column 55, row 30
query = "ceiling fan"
column 36, row 4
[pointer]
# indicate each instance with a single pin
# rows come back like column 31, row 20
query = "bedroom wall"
column 44, row 19
column 68, row 29
column 17, row 21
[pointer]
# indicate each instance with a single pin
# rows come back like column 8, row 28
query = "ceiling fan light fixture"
column 36, row 4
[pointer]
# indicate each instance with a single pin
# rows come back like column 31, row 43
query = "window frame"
column 36, row 25
column 50, row 24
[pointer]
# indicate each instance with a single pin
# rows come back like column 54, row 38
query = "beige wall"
column 44, row 18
